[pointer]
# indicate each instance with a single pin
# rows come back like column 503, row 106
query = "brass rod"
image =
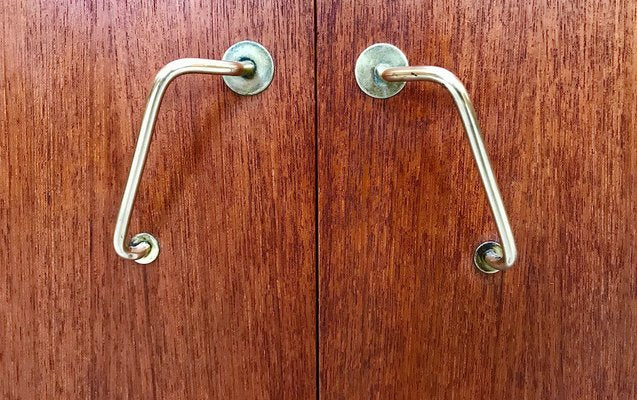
column 468, row 115
column 137, row 249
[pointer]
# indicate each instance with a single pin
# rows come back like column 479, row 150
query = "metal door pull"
column 247, row 69
column 381, row 72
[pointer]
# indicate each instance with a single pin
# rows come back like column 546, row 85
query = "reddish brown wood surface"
column 228, row 310
column 403, row 314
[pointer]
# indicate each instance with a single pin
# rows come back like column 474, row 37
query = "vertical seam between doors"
column 316, row 205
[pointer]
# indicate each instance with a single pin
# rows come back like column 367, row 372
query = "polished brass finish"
column 489, row 257
column 143, row 247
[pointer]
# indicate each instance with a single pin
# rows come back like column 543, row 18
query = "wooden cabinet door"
column 403, row 313
column 228, row 309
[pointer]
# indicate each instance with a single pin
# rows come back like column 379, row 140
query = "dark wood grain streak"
column 402, row 312
column 228, row 310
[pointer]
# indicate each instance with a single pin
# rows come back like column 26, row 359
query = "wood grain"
column 403, row 314
column 228, row 310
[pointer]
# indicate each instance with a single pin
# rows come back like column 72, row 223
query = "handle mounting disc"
column 248, row 50
column 153, row 252
column 379, row 55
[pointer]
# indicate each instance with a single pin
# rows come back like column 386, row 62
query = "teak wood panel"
column 228, row 310
column 403, row 313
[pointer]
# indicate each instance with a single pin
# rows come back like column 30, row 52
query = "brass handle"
column 381, row 72
column 248, row 69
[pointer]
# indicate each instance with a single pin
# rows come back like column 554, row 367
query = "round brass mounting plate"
column 379, row 55
column 483, row 252
column 248, row 50
column 153, row 253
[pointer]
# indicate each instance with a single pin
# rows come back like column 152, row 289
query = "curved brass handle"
column 248, row 69
column 380, row 74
